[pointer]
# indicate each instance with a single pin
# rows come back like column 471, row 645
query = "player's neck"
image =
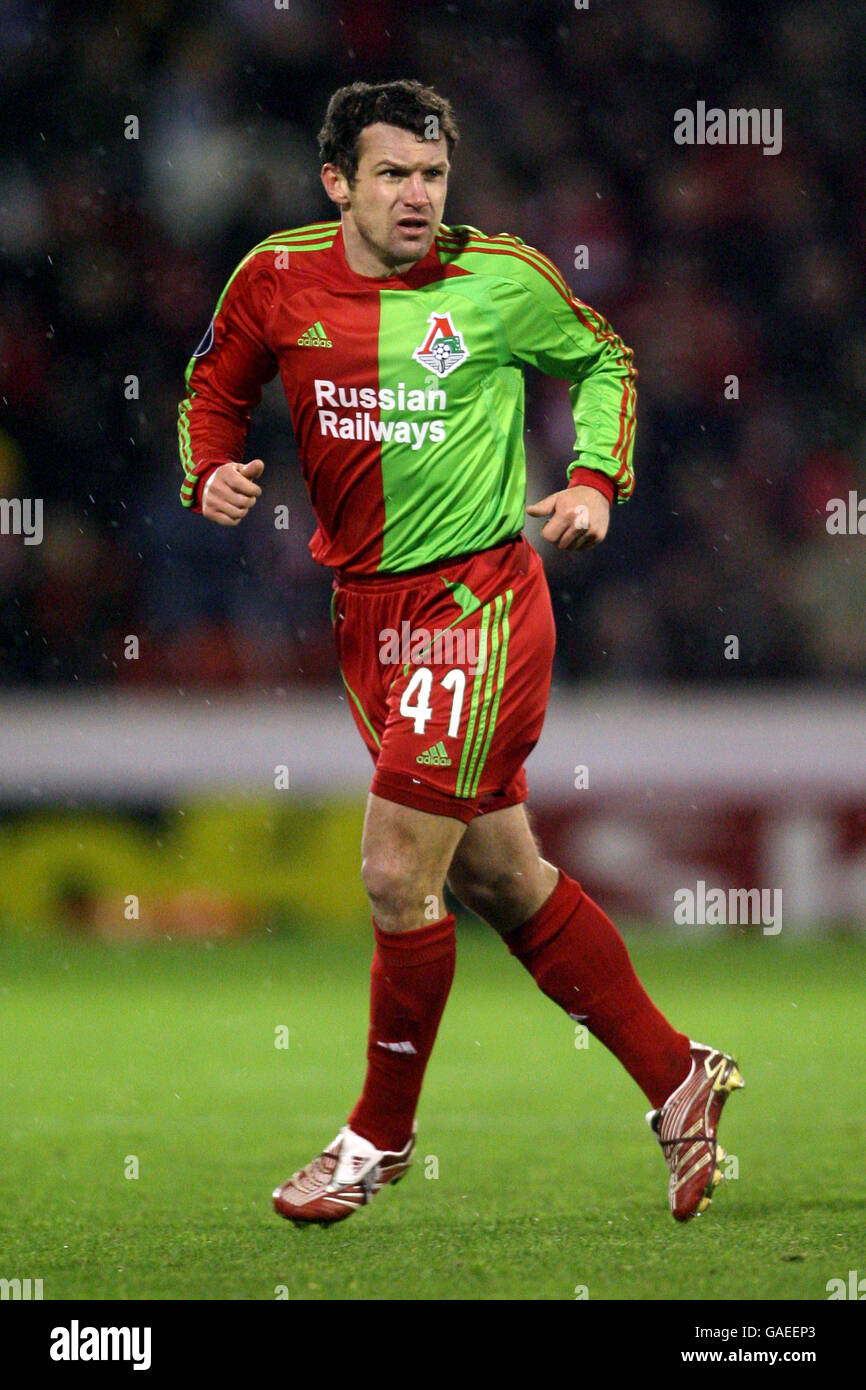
column 364, row 259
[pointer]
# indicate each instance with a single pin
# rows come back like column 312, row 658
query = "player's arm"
column 554, row 331
column 224, row 385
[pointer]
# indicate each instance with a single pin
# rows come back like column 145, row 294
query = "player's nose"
column 415, row 191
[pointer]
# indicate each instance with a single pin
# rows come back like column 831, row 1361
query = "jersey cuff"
column 592, row 477
column 199, row 487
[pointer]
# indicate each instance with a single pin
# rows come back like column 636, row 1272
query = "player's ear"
column 335, row 185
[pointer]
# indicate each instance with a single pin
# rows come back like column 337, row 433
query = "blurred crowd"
column 736, row 277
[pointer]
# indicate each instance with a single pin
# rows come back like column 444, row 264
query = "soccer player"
column 401, row 342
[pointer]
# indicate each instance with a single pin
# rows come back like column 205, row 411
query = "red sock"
column 578, row 958
column 410, row 979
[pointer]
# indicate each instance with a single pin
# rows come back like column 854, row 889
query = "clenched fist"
column 230, row 491
column 579, row 517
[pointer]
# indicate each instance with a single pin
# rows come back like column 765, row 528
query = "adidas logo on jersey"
column 435, row 756
column 315, row 336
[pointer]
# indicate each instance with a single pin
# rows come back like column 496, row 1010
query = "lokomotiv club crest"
column 443, row 349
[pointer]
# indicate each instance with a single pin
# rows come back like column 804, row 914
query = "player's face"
column 395, row 206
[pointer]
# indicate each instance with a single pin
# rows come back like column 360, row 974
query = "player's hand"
column 579, row 517
column 230, row 491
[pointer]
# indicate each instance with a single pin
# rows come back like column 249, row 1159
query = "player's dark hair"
column 406, row 104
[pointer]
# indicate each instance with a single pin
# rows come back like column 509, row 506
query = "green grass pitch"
column 536, row 1175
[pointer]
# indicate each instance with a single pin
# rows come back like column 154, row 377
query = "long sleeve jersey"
column 406, row 393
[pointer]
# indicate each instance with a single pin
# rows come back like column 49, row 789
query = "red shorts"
column 448, row 674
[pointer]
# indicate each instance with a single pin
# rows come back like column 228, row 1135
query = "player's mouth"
column 413, row 226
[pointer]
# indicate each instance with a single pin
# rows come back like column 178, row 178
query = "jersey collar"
column 421, row 273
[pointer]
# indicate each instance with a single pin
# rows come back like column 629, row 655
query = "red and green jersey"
column 406, row 393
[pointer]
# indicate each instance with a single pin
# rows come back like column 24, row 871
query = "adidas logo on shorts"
column 435, row 756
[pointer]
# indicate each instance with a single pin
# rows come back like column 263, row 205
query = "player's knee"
column 483, row 892
column 504, row 895
column 463, row 885
column 392, row 890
